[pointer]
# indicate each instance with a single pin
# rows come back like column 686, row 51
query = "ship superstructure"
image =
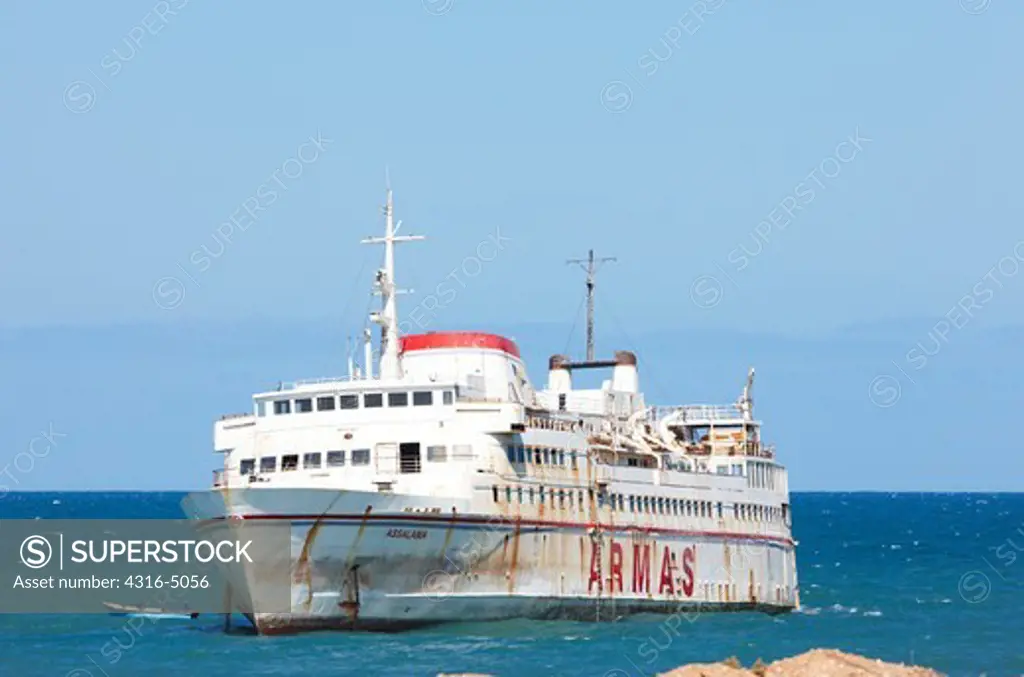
column 443, row 486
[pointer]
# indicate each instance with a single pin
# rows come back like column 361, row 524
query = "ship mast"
column 591, row 267
column 384, row 286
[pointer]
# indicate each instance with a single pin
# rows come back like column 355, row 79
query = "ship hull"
column 380, row 562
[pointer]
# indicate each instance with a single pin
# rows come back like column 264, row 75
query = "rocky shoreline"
column 816, row 663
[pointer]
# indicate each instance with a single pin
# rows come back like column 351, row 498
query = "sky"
column 827, row 191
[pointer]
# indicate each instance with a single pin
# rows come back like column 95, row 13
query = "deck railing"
column 699, row 412
column 290, row 385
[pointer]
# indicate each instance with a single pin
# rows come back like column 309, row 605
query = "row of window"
column 762, row 476
column 305, row 405
column 637, row 504
column 551, row 456
column 543, row 423
column 540, row 455
column 758, row 513
column 651, row 505
column 315, row 460
column 310, row 461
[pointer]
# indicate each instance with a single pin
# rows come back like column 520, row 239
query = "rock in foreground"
column 816, row 663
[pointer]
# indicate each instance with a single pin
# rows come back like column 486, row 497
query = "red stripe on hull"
column 468, row 519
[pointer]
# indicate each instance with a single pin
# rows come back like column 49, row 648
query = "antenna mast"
column 384, row 285
column 590, row 268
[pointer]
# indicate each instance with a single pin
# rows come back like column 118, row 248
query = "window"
column 360, row 457
column 311, row 460
column 494, row 492
column 268, row 464
column 508, row 494
column 438, row 453
column 510, row 453
column 261, row 408
column 336, row 459
column 422, row 398
column 531, row 495
column 325, row 403
column 290, row 462
column 447, row 397
column 521, row 454
column 247, row 466
column 282, row 407
column 561, row 458
column 541, row 495
column 348, row 401
column 462, row 451
column 519, row 495
column 536, row 456
column 547, row 456
column 373, row 400
column 303, row 406
column 398, row 399
column 632, row 503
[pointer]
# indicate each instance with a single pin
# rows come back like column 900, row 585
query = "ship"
column 436, row 483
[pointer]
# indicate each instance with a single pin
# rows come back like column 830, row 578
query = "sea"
column 930, row 579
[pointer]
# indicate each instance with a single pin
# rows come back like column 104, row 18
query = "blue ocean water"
column 933, row 579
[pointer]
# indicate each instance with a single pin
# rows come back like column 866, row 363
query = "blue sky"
column 828, row 191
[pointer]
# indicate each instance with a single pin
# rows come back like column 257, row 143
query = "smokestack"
column 559, row 378
column 624, row 375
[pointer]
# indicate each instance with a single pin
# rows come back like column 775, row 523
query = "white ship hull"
column 368, row 561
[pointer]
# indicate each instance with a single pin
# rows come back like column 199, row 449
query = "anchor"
column 350, row 595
